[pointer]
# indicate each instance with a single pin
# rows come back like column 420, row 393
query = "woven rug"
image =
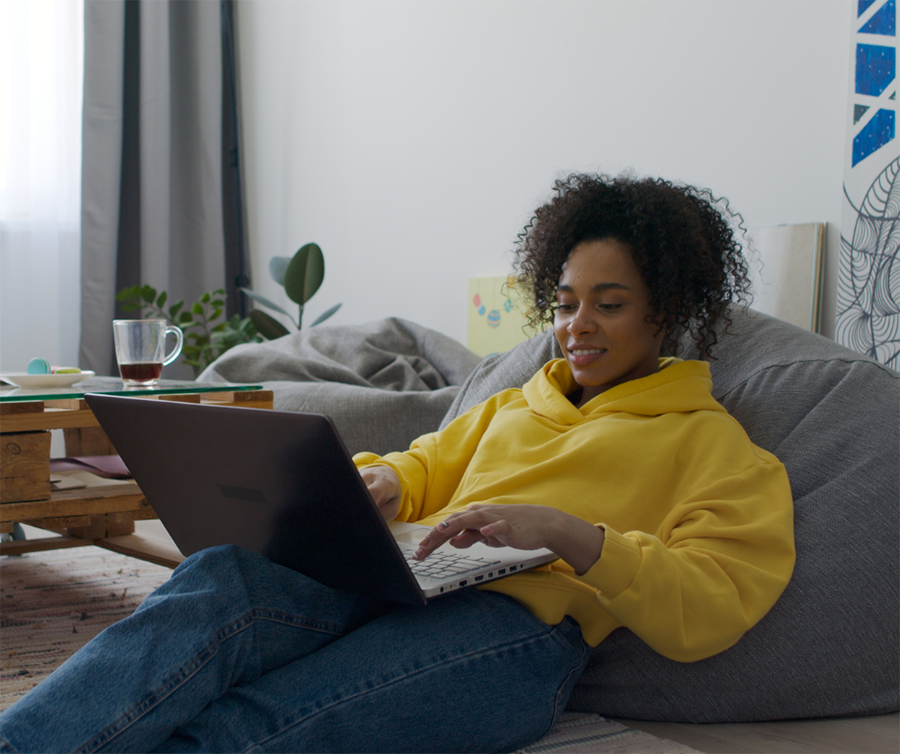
column 52, row 603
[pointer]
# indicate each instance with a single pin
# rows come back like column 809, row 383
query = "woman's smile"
column 582, row 356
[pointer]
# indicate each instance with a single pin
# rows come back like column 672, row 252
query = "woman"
column 666, row 518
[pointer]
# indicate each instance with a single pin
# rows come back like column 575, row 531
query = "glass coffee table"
column 92, row 514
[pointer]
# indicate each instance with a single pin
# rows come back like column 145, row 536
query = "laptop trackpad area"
column 408, row 534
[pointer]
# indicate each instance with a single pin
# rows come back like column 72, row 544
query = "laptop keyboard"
column 440, row 565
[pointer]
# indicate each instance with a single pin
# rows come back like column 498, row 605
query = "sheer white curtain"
column 41, row 64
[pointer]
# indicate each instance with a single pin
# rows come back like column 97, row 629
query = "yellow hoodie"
column 698, row 520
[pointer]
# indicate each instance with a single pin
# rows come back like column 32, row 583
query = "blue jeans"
column 237, row 654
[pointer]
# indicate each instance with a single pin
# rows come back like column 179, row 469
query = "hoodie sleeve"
column 431, row 470
column 721, row 560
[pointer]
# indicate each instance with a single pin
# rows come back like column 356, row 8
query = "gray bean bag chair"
column 383, row 383
column 830, row 646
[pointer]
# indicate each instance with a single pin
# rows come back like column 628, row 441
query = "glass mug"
column 141, row 349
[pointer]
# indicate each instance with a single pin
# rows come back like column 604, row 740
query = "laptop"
column 283, row 485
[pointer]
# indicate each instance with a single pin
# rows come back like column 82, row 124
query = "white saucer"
column 46, row 380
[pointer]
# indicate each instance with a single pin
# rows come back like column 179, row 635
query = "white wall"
column 412, row 140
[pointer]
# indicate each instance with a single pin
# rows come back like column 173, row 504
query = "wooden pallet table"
column 89, row 515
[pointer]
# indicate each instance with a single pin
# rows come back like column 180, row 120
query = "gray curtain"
column 161, row 200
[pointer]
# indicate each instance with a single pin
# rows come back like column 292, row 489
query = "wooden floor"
column 855, row 735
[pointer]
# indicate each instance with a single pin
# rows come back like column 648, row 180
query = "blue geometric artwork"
column 876, row 71
column 874, row 135
column 868, row 291
column 884, row 21
column 876, row 66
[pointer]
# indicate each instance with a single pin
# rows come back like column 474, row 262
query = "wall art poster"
column 868, row 293
column 497, row 315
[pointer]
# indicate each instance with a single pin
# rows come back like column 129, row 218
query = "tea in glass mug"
column 141, row 349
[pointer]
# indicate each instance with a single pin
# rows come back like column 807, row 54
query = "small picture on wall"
column 497, row 320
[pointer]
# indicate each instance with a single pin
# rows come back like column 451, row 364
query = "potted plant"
column 301, row 276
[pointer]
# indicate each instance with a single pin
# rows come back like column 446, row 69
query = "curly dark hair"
column 681, row 239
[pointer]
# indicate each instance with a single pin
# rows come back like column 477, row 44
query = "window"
column 41, row 64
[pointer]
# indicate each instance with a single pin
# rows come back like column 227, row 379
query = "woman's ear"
column 669, row 345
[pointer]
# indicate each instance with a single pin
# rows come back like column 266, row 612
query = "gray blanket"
column 383, row 383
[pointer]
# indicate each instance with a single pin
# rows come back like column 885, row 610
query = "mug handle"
column 179, row 342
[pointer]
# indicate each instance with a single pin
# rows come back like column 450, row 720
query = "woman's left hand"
column 525, row 527
column 384, row 487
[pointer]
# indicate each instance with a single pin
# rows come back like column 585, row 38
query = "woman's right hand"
column 384, row 487
column 525, row 527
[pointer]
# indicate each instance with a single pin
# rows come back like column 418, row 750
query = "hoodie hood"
column 679, row 386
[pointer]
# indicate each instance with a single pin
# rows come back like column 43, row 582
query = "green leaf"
column 267, row 326
column 235, row 331
column 264, row 301
column 277, row 268
column 305, row 273
column 244, row 329
column 129, row 293
column 197, row 308
column 205, row 298
column 148, row 293
column 322, row 317
column 161, row 301
column 175, row 308
column 132, row 298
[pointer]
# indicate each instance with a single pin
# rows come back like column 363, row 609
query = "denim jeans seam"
column 577, row 668
column 473, row 653
column 556, row 633
column 200, row 660
column 290, row 619
column 173, row 684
